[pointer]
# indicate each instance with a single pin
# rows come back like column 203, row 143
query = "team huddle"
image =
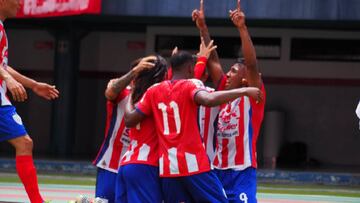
column 170, row 138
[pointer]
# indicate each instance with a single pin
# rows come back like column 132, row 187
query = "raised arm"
column 115, row 86
column 248, row 50
column 206, row 50
column 216, row 98
column 213, row 64
column 43, row 90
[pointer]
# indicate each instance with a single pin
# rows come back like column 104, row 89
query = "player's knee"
column 24, row 145
column 28, row 143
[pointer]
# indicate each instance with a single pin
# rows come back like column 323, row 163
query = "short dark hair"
column 180, row 59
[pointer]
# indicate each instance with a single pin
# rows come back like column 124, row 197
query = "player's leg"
column 240, row 186
column 12, row 130
column 205, row 187
column 120, row 189
column 174, row 190
column 105, row 184
column 142, row 183
column 25, row 167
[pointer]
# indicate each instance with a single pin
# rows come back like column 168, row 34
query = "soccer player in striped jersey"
column 138, row 177
column 11, row 126
column 183, row 164
column 208, row 116
column 116, row 141
column 239, row 120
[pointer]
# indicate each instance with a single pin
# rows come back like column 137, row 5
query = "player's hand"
column 45, row 91
column 145, row 63
column 17, row 90
column 111, row 83
column 174, row 51
column 255, row 93
column 237, row 16
column 198, row 16
column 205, row 51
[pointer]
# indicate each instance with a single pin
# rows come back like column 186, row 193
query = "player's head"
column 8, row 8
column 236, row 76
column 147, row 77
column 183, row 62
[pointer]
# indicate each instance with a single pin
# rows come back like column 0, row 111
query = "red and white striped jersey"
column 171, row 104
column 238, row 130
column 208, row 121
column 117, row 139
column 207, row 124
column 144, row 144
column 4, row 100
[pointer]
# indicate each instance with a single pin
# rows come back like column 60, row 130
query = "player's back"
column 144, row 144
column 175, row 112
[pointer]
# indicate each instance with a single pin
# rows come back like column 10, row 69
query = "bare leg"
column 25, row 167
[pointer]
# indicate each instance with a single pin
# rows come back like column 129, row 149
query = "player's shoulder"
column 2, row 31
column 156, row 85
column 1, row 26
column 198, row 83
column 127, row 90
column 209, row 89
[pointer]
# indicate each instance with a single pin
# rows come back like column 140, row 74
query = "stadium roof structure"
column 136, row 15
column 255, row 9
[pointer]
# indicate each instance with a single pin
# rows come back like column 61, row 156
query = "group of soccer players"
column 171, row 139
column 168, row 137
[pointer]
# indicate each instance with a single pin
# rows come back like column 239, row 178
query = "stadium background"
column 309, row 55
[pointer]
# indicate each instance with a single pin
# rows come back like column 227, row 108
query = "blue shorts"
column 105, row 184
column 203, row 187
column 138, row 183
column 240, row 186
column 11, row 125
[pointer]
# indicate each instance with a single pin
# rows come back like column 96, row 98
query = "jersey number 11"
column 174, row 106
